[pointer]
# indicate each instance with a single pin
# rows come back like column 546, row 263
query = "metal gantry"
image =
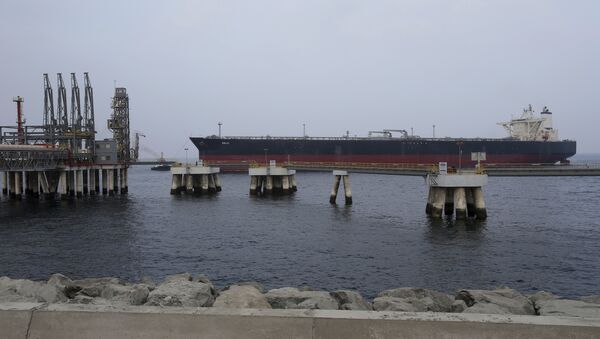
column 62, row 155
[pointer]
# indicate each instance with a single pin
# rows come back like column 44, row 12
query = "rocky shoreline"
column 185, row 290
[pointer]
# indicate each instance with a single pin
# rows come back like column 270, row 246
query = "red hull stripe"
column 388, row 159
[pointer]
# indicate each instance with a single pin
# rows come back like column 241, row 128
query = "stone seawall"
column 185, row 290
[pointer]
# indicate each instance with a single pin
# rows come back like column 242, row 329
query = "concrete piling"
column 460, row 202
column 79, row 183
column 96, row 181
column 449, row 202
column 480, row 210
column 86, row 181
column 429, row 200
column 439, row 197
column 341, row 176
column 63, row 184
column 104, row 181
column 271, row 180
column 456, row 191
column 470, row 203
column 5, row 183
column 195, row 179
column 336, row 186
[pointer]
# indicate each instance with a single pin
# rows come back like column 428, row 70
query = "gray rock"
column 542, row 295
column 23, row 290
column 148, row 282
column 178, row 277
column 351, row 300
column 293, row 298
column 245, row 296
column 508, row 301
column 593, row 299
column 182, row 292
column 203, row 279
column 569, row 308
column 398, row 304
column 125, row 294
column 422, row 299
column 486, row 308
column 65, row 284
column 95, row 281
column 458, row 306
column 258, row 286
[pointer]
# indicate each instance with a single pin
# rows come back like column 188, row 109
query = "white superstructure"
column 529, row 127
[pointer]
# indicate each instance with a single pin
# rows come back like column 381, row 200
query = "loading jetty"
column 61, row 157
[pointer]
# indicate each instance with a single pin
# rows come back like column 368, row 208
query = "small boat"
column 161, row 167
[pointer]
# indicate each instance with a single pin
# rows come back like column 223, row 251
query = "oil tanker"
column 531, row 140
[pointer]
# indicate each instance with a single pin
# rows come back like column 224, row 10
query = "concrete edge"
column 315, row 314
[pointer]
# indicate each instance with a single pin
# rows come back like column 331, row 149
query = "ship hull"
column 381, row 151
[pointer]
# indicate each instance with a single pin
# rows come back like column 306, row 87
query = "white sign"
column 443, row 167
column 272, row 163
column 478, row 156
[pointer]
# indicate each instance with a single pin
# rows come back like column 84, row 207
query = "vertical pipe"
column 92, row 184
column 86, row 180
column 347, row 190
column 79, row 183
column 35, row 184
column 62, row 184
column 111, row 181
column 460, row 201
column 104, row 181
column 4, row 183
column 115, row 181
column 125, row 181
column 334, row 190
column 18, row 185
column 96, row 180
column 71, row 182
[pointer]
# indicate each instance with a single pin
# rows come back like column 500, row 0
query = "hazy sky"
column 267, row 67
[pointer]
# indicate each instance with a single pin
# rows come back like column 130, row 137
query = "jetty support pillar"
column 454, row 191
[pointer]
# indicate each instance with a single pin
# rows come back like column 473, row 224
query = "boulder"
column 257, row 285
column 542, row 295
column 569, row 308
column 23, row 290
column 125, row 294
column 65, row 284
column 178, row 277
column 486, row 308
column 420, row 299
column 593, row 299
column 458, row 306
column 293, row 298
column 245, row 296
column 351, row 300
column 93, row 287
column 398, row 304
column 181, row 292
column 508, row 301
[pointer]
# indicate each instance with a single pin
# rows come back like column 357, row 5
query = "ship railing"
column 361, row 165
